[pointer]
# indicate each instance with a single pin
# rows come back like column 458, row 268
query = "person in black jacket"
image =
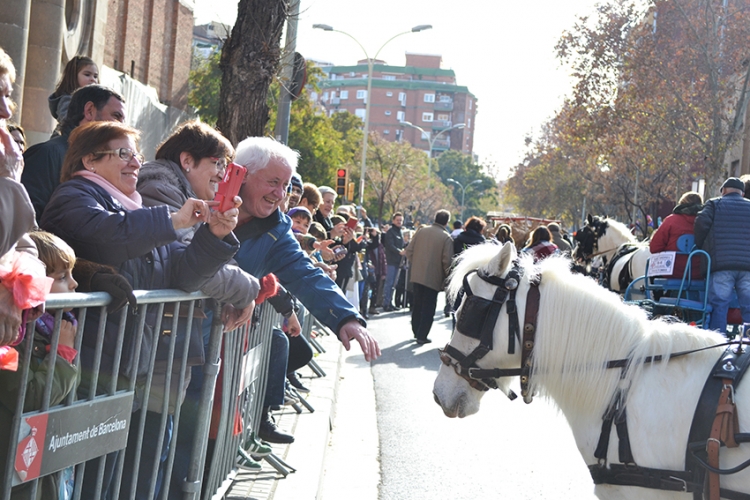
column 470, row 236
column 393, row 241
column 44, row 161
column 722, row 229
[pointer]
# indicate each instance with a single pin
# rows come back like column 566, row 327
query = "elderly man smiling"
column 268, row 245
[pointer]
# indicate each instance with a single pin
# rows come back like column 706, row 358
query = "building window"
column 389, row 77
column 344, row 94
column 429, row 98
column 386, row 132
column 361, row 94
column 399, row 135
column 352, row 73
column 470, row 103
column 427, row 117
column 468, row 123
column 400, row 116
column 387, row 113
column 445, row 98
column 325, row 96
column 443, row 117
column 389, row 94
column 360, row 113
column 402, row 98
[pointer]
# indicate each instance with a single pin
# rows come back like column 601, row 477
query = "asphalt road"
column 508, row 450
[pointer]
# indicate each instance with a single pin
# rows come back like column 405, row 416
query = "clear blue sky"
column 502, row 51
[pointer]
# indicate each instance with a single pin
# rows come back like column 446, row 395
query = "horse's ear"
column 589, row 218
column 504, row 259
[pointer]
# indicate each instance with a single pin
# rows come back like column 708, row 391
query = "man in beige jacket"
column 429, row 252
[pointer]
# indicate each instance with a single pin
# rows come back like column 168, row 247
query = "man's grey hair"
column 326, row 190
column 255, row 153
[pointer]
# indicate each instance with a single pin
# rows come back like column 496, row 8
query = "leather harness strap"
column 723, row 430
column 529, row 332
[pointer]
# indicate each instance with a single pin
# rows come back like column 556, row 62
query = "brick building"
column 420, row 93
column 148, row 40
column 151, row 40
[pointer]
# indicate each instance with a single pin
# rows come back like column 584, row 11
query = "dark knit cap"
column 733, row 182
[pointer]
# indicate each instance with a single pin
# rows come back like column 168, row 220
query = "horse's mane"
column 599, row 327
column 618, row 231
column 580, row 327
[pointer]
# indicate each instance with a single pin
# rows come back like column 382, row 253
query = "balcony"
column 444, row 106
column 441, row 124
column 441, row 144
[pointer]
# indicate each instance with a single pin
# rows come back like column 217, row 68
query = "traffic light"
column 342, row 176
column 350, row 192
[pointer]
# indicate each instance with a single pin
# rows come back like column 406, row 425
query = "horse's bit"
column 477, row 320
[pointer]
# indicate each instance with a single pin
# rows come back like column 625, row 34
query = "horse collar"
column 477, row 320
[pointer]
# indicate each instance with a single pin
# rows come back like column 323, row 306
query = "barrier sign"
column 51, row 441
column 250, row 367
column 661, row 264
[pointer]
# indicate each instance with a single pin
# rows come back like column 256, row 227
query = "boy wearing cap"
column 722, row 229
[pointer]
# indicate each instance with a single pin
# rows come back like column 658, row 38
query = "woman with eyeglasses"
column 98, row 212
column 190, row 163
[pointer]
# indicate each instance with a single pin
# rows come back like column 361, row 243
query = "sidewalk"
column 335, row 452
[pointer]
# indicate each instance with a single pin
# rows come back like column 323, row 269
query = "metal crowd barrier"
column 91, row 426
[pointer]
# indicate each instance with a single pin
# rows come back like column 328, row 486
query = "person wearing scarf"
column 98, row 212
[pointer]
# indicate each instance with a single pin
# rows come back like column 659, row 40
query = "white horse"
column 579, row 329
column 608, row 239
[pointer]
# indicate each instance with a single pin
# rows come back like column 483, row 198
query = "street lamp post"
column 432, row 142
column 370, row 63
column 463, row 192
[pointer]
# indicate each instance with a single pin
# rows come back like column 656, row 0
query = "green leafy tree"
column 462, row 168
column 205, row 88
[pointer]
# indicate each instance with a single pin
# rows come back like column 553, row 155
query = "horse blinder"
column 477, row 320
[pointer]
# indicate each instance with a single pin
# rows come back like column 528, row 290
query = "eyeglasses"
column 221, row 163
column 125, row 154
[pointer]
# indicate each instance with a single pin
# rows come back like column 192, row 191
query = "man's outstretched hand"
column 354, row 331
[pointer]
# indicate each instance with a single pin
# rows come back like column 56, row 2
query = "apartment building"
column 421, row 93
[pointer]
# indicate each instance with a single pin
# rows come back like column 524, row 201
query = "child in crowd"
column 59, row 260
column 301, row 219
column 79, row 72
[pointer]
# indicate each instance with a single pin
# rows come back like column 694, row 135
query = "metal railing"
column 86, row 420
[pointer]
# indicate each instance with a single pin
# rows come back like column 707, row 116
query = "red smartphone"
column 351, row 223
column 230, row 186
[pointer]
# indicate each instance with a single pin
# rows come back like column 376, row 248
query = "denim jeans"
column 277, row 366
column 723, row 283
column 390, row 279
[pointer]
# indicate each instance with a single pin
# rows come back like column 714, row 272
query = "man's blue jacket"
column 268, row 246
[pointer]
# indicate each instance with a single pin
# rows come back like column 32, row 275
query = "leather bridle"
column 477, row 320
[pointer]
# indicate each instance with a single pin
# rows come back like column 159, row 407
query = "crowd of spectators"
column 114, row 222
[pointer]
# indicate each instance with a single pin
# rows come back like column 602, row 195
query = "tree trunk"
column 249, row 62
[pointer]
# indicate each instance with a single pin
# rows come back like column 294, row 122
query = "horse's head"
column 587, row 238
column 481, row 338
